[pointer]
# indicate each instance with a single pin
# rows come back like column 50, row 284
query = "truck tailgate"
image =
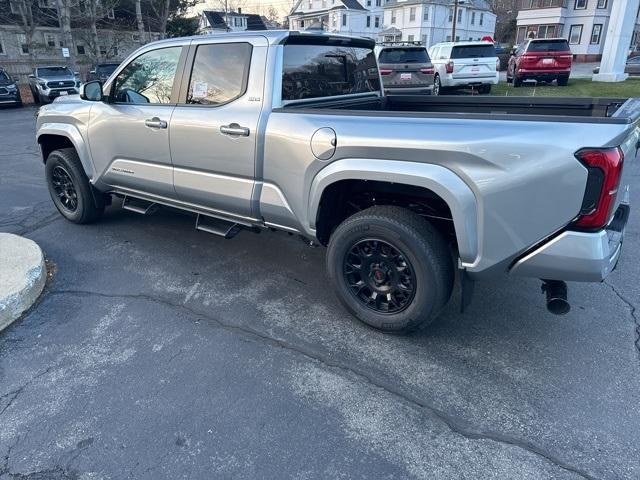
column 630, row 146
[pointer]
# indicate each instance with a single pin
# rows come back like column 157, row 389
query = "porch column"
column 617, row 42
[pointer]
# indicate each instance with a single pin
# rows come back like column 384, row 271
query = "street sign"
column 65, row 52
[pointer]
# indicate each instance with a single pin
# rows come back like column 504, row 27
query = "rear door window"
column 403, row 55
column 548, row 46
column 220, row 73
column 313, row 71
column 473, row 51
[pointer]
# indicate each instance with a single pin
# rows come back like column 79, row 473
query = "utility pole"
column 455, row 20
column 226, row 14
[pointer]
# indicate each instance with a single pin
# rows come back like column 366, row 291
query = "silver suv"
column 405, row 69
column 48, row 83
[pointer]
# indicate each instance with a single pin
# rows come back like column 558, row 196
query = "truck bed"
column 553, row 109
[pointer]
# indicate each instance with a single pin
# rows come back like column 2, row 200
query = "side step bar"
column 217, row 226
column 138, row 205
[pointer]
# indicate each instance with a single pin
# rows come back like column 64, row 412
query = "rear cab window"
column 555, row 45
column 404, row 55
column 331, row 68
column 473, row 51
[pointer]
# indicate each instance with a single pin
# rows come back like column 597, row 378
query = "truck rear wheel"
column 70, row 189
column 563, row 80
column 390, row 268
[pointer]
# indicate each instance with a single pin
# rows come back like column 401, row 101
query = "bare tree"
column 139, row 21
column 95, row 11
column 161, row 10
column 64, row 8
column 27, row 23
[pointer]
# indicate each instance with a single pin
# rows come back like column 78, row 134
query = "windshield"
column 54, row 72
column 548, row 46
column 4, row 78
column 106, row 69
column 473, row 51
column 403, row 55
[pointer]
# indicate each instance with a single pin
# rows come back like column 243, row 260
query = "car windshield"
column 4, row 78
column 403, row 55
column 548, row 46
column 54, row 72
column 473, row 51
column 106, row 69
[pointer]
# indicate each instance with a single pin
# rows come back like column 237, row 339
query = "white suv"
column 464, row 64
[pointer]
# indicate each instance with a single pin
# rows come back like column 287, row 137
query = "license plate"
column 64, row 93
column 405, row 76
column 475, row 69
column 547, row 61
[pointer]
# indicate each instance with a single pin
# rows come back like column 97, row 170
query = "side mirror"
column 513, row 51
column 91, row 91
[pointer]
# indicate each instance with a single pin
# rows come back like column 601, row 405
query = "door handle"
column 235, row 130
column 155, row 122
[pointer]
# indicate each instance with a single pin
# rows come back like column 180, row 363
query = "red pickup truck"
column 542, row 60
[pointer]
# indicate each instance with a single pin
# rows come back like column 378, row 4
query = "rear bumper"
column 428, row 90
column 577, row 256
column 464, row 81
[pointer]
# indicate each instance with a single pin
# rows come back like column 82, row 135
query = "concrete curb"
column 22, row 276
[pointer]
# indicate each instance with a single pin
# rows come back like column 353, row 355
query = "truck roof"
column 274, row 37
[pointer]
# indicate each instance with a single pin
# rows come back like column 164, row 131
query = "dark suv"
column 102, row 71
column 542, row 60
column 405, row 69
column 9, row 91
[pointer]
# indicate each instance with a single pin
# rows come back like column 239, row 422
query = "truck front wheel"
column 70, row 189
column 390, row 268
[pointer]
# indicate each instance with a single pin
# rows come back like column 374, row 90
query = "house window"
column 376, row 22
column 450, row 15
column 333, row 21
column 448, row 38
column 424, row 39
column 378, row 3
column 595, row 34
column 2, row 50
column 368, row 3
column 111, row 14
column 301, row 23
column 410, row 38
column 80, row 49
column 103, row 50
column 575, row 34
column 393, row 16
column 580, row 5
column 50, row 39
column 135, row 37
column 602, row 4
column 425, row 16
column 459, row 16
column 310, row 4
column 344, row 19
column 473, row 18
column 481, row 19
column 368, row 21
column 22, row 41
column 114, row 49
column 412, row 14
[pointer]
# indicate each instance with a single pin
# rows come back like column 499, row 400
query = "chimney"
column 239, row 10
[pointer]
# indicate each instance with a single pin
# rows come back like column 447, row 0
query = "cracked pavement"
column 162, row 352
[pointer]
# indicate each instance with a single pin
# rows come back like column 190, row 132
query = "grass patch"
column 580, row 87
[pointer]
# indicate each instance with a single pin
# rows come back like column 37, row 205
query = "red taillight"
column 428, row 71
column 609, row 161
column 449, row 66
column 384, row 71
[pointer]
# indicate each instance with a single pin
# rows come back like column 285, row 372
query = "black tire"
column 89, row 203
column 563, row 81
column 517, row 81
column 437, row 85
column 36, row 97
column 484, row 89
column 423, row 257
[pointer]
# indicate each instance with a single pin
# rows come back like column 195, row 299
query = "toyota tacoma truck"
column 49, row 83
column 292, row 131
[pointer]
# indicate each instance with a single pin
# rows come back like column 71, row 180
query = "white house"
column 212, row 21
column 582, row 22
column 429, row 21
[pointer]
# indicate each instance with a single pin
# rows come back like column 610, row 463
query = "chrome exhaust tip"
column 556, row 292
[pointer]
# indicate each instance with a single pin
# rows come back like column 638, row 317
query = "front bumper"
column 577, row 256
column 53, row 94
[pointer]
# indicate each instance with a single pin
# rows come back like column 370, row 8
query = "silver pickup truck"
column 286, row 130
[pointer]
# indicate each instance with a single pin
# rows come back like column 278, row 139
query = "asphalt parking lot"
column 161, row 352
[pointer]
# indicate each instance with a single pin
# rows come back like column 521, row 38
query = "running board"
column 138, row 205
column 217, row 226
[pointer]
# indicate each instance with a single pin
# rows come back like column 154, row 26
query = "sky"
column 260, row 7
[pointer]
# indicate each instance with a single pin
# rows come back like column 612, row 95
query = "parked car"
column 542, row 60
column 632, row 66
column 403, row 189
column 405, row 69
column 48, row 83
column 9, row 91
column 101, row 71
column 464, row 65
